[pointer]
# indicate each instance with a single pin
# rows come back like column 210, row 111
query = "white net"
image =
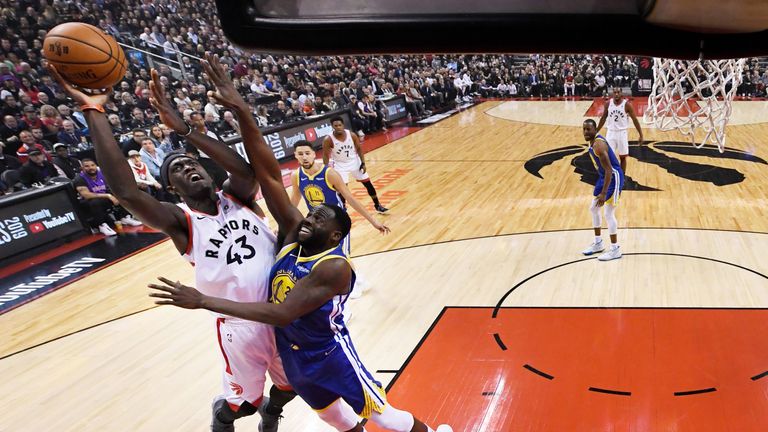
column 691, row 95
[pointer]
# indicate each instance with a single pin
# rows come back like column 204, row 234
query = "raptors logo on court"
column 654, row 153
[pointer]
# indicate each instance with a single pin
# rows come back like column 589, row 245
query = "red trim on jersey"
column 283, row 388
column 189, row 234
column 219, row 322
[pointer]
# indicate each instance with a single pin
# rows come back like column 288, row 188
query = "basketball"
column 84, row 55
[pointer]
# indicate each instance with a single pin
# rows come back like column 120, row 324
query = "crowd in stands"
column 43, row 136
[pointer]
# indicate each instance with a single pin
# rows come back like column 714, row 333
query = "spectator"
column 228, row 125
column 39, row 138
column 102, row 208
column 51, row 122
column 68, row 165
column 150, row 155
column 139, row 119
column 171, row 141
column 359, row 120
column 7, row 162
column 116, row 125
column 138, row 136
column 27, row 144
column 212, row 109
column 9, row 133
column 76, row 118
column 144, row 178
column 71, row 136
column 37, row 171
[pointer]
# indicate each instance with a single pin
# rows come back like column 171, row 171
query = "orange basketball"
column 84, row 55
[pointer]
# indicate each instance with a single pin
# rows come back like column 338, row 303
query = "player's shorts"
column 614, row 189
column 618, row 141
column 350, row 170
column 249, row 352
column 322, row 376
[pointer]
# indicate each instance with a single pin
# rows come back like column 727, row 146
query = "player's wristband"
column 86, row 107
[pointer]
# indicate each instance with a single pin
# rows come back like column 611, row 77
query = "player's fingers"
column 162, row 296
column 166, row 280
column 162, row 288
column 164, row 302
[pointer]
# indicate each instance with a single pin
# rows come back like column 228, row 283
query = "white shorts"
column 619, row 141
column 347, row 170
column 249, row 352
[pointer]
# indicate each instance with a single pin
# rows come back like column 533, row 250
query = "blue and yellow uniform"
column 617, row 181
column 318, row 356
column 316, row 189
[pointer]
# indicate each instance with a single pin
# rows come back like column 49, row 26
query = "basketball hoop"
column 688, row 95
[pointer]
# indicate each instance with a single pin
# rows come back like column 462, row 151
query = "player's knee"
column 340, row 416
column 393, row 419
column 226, row 414
column 610, row 216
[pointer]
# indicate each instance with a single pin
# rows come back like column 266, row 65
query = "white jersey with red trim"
column 618, row 119
column 343, row 153
column 233, row 251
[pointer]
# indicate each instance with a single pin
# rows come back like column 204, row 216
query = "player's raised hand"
column 80, row 97
column 168, row 115
column 225, row 93
column 177, row 294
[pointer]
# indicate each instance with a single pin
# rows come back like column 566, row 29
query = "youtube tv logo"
column 310, row 134
column 36, row 227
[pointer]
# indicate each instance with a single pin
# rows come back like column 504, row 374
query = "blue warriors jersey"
column 318, row 356
column 316, row 189
column 617, row 180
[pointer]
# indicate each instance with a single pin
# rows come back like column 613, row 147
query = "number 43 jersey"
column 232, row 251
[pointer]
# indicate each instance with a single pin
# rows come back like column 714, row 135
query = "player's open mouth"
column 194, row 177
column 305, row 229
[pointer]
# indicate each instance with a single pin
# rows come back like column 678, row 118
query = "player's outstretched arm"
column 359, row 150
column 295, row 192
column 338, row 183
column 327, row 148
column 265, row 168
column 326, row 280
column 242, row 183
column 631, row 111
column 604, row 117
column 165, row 217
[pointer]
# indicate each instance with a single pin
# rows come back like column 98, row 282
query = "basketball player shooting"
column 221, row 232
column 343, row 148
column 311, row 281
column 616, row 111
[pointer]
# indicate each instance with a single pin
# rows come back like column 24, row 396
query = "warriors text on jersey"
column 618, row 119
column 232, row 251
column 317, row 189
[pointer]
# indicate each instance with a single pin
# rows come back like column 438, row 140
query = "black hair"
column 303, row 143
column 84, row 160
column 138, row 130
column 335, row 119
column 342, row 219
column 592, row 122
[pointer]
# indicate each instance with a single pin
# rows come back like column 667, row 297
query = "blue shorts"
column 614, row 189
column 322, row 376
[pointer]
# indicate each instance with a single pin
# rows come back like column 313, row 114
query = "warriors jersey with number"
column 232, row 251
column 317, row 189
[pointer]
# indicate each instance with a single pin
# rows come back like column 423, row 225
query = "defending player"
column 616, row 111
column 310, row 282
column 343, row 148
column 222, row 233
column 606, row 193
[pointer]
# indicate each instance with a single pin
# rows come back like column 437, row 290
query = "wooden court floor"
column 487, row 209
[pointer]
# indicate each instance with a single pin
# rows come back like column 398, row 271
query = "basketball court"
column 482, row 312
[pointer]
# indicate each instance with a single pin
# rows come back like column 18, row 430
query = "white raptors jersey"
column 343, row 152
column 232, row 251
column 618, row 119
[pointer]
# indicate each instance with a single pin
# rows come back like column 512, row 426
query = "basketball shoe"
column 613, row 253
column 444, row 428
column 268, row 422
column 595, row 247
